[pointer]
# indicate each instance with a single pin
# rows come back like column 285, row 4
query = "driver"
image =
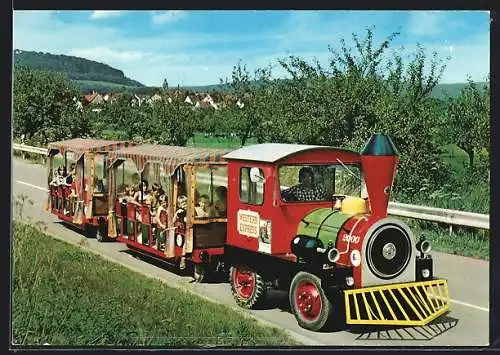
column 305, row 190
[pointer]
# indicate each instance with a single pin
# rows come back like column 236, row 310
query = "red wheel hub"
column 308, row 300
column 244, row 282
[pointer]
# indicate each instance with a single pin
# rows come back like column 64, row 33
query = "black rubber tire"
column 258, row 294
column 90, row 231
column 100, row 234
column 203, row 272
column 326, row 307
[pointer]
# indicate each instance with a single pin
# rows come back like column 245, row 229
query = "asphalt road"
column 466, row 324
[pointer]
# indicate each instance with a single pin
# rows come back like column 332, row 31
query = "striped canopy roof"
column 169, row 156
column 81, row 145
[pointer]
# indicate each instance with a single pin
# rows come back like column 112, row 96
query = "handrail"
column 433, row 214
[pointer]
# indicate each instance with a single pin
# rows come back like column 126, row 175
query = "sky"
column 195, row 47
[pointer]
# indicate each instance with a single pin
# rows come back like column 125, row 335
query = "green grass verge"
column 65, row 296
column 474, row 243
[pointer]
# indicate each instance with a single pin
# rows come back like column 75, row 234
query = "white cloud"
column 426, row 23
column 161, row 17
column 107, row 55
column 431, row 23
column 102, row 14
column 467, row 60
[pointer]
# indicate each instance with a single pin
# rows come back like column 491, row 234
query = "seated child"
column 204, row 209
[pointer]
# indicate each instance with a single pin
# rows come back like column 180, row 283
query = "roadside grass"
column 65, row 296
column 474, row 243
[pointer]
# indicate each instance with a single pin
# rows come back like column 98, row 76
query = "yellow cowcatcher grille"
column 415, row 303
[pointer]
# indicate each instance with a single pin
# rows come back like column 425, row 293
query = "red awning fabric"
column 81, row 145
column 170, row 157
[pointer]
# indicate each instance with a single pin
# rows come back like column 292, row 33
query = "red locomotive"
column 311, row 220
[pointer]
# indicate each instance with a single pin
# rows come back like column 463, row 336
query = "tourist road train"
column 310, row 220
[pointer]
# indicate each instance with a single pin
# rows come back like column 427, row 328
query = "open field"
column 199, row 140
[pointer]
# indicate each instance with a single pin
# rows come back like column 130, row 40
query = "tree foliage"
column 44, row 107
column 173, row 123
column 361, row 91
column 468, row 120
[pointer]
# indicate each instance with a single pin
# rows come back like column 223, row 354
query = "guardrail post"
column 451, row 229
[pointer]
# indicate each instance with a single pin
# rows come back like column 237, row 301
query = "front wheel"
column 247, row 286
column 308, row 301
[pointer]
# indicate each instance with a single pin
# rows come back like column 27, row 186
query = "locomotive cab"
column 312, row 220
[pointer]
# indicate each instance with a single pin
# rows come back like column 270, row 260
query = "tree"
column 125, row 118
column 363, row 90
column 469, row 119
column 243, row 118
column 45, row 107
column 173, row 123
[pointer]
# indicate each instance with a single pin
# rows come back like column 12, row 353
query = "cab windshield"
column 299, row 183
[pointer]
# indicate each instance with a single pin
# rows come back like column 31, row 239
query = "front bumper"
column 412, row 304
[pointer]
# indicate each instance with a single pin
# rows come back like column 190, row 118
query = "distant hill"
column 441, row 91
column 86, row 73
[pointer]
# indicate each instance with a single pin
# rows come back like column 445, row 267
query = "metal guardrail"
column 29, row 149
column 442, row 215
column 433, row 214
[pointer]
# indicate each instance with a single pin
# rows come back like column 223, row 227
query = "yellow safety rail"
column 414, row 303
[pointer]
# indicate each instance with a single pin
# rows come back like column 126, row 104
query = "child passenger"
column 203, row 210
column 160, row 220
column 179, row 221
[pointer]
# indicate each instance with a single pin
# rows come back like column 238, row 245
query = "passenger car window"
column 251, row 192
column 211, row 192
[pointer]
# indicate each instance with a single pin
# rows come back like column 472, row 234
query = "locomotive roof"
column 81, row 145
column 273, row 152
column 170, row 156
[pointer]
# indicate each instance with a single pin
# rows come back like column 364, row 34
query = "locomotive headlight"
column 423, row 245
column 333, row 255
column 349, row 281
column 425, row 273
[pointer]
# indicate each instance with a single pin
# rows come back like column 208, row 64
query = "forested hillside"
column 78, row 69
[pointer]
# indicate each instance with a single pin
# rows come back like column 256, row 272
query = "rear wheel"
column 203, row 272
column 308, row 301
column 90, row 231
column 247, row 286
column 100, row 233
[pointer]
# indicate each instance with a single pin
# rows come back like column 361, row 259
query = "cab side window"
column 251, row 192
